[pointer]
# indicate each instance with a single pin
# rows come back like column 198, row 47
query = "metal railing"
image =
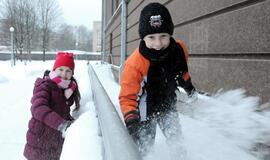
column 48, row 56
column 117, row 142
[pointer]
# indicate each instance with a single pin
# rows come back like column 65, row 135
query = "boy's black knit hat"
column 155, row 18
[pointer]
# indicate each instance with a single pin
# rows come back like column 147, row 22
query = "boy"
column 150, row 78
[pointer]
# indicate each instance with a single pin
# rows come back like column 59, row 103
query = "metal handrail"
column 117, row 142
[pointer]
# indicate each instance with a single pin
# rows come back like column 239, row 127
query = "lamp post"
column 11, row 29
column 76, row 45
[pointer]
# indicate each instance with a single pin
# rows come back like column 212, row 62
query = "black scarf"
column 164, row 66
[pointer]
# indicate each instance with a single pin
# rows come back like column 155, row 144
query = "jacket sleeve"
column 130, row 87
column 40, row 107
column 185, row 80
column 186, row 85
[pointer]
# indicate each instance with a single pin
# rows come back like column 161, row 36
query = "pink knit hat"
column 64, row 59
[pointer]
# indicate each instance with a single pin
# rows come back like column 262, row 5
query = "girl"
column 52, row 97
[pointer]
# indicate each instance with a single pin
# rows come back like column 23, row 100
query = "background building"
column 97, row 36
column 228, row 41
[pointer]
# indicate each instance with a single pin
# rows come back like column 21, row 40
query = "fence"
column 50, row 56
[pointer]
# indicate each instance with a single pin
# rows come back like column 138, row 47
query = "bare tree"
column 90, row 41
column 49, row 12
column 65, row 38
column 3, row 30
column 35, row 23
column 4, row 33
column 18, row 21
column 30, row 24
column 83, row 38
column 22, row 16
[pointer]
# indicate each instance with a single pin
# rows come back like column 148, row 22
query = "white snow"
column 224, row 127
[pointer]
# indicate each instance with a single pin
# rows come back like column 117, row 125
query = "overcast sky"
column 81, row 12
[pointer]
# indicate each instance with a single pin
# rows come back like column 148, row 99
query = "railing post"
column 123, row 36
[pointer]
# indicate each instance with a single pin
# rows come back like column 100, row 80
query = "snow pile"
column 235, row 116
column 82, row 141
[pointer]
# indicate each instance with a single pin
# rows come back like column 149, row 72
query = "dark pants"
column 168, row 122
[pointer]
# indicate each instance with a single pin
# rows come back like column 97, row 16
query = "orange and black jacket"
column 134, row 76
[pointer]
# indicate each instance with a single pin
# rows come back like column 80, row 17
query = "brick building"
column 228, row 41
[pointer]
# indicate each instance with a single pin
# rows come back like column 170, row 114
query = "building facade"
column 228, row 41
column 97, row 36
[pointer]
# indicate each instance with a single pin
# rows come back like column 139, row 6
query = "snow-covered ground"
column 16, row 85
column 224, row 127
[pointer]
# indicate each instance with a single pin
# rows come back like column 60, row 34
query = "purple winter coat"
column 50, row 108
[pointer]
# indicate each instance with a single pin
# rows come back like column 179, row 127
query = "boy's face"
column 64, row 72
column 157, row 41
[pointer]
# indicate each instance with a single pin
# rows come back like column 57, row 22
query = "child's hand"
column 192, row 96
column 63, row 127
column 132, row 121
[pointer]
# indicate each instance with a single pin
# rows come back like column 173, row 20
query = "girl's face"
column 157, row 41
column 64, row 72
